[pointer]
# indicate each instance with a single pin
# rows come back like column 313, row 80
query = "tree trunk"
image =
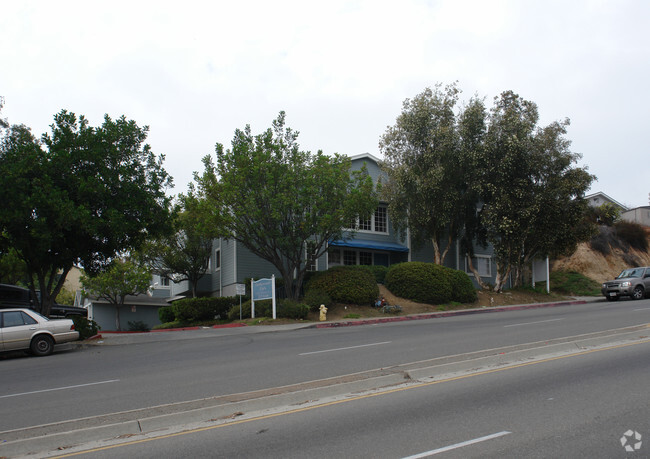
column 479, row 281
column 502, row 277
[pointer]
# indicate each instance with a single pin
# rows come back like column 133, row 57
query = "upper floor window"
column 217, row 259
column 378, row 222
column 310, row 256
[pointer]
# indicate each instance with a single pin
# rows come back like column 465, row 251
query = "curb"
column 443, row 314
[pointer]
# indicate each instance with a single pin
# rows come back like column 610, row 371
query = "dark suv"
column 12, row 296
column 633, row 282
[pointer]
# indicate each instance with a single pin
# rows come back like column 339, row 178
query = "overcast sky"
column 196, row 71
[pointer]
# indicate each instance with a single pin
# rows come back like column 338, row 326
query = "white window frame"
column 310, row 258
column 217, row 260
column 372, row 221
column 478, row 267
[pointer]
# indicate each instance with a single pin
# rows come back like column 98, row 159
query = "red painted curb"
column 228, row 326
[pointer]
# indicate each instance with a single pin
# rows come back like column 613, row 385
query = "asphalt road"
column 577, row 406
column 104, row 379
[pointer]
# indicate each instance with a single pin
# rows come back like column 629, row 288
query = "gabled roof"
column 603, row 196
column 363, row 156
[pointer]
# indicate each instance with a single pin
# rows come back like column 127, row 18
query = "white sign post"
column 241, row 290
column 263, row 289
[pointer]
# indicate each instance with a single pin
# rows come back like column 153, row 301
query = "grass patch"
column 352, row 316
column 574, row 284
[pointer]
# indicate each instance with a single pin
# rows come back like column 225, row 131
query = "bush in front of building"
column 379, row 272
column 462, row 287
column 315, row 297
column 346, row 284
column 285, row 308
column 191, row 310
column 166, row 314
column 85, row 326
column 138, row 326
column 422, row 282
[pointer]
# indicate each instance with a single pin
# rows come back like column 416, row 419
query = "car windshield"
column 636, row 272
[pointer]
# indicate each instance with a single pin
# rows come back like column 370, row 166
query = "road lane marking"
column 642, row 309
column 345, row 348
column 531, row 323
column 346, row 400
column 59, row 388
column 459, row 445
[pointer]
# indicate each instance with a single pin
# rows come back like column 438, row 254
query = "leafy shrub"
column 138, row 326
column 421, row 282
column 379, row 272
column 346, row 284
column 290, row 309
column 462, row 288
column 85, row 327
column 315, row 297
column 632, row 234
column 605, row 214
column 166, row 314
column 190, row 310
column 264, row 308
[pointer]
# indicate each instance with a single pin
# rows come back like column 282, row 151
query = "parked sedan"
column 24, row 329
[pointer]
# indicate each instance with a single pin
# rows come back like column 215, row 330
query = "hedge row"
column 346, row 284
column 285, row 308
column 430, row 283
column 190, row 310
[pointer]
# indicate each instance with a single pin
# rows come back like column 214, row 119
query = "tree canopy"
column 280, row 202
column 428, row 164
column 184, row 254
column 486, row 177
column 533, row 194
column 82, row 195
column 120, row 279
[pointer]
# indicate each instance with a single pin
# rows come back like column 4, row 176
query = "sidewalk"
column 120, row 338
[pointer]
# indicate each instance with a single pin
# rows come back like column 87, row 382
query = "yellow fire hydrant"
column 323, row 312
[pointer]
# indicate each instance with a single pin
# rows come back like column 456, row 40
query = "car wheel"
column 638, row 293
column 612, row 298
column 42, row 345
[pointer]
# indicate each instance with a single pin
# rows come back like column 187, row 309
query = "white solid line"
column 59, row 388
column 459, row 445
column 531, row 323
column 642, row 309
column 345, row 348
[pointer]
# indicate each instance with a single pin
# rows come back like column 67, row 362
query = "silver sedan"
column 24, row 329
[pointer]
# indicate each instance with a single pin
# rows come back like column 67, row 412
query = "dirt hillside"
column 600, row 268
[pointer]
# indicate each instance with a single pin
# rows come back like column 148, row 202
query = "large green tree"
column 82, row 195
column 418, row 150
column 533, row 193
column 120, row 279
column 428, row 168
column 184, row 254
column 281, row 202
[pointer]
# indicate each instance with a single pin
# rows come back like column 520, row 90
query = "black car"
column 13, row 296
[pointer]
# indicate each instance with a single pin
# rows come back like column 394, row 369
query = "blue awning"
column 367, row 244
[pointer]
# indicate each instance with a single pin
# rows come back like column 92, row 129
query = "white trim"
column 365, row 156
column 477, row 256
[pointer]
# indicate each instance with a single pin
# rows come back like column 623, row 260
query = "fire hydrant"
column 323, row 312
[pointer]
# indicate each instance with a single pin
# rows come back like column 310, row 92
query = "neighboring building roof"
column 365, row 156
column 599, row 198
column 130, row 300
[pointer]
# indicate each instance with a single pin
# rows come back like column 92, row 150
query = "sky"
column 195, row 71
